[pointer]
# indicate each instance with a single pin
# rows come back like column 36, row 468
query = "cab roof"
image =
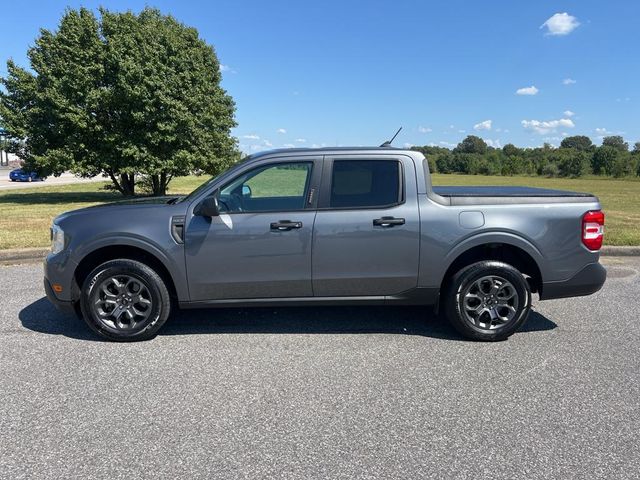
column 328, row 151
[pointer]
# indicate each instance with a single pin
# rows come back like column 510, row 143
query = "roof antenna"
column 388, row 142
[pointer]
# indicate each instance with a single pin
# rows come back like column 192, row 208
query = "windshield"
column 199, row 189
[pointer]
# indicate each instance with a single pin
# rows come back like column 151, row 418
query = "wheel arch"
column 523, row 256
column 111, row 252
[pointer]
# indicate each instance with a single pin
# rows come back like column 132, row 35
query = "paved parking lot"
column 322, row 393
column 64, row 179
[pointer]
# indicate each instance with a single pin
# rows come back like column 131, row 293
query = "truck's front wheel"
column 487, row 301
column 125, row 300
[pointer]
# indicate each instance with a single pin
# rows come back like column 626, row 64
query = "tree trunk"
column 159, row 184
column 127, row 182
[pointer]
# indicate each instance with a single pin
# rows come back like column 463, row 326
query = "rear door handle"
column 284, row 225
column 388, row 222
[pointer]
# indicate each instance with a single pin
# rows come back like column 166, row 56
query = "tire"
column 125, row 301
column 487, row 301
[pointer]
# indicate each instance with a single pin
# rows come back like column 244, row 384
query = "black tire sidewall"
column 470, row 274
column 157, row 289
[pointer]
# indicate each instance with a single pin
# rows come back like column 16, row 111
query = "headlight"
column 57, row 239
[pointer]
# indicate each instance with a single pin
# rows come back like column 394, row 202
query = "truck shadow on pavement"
column 42, row 317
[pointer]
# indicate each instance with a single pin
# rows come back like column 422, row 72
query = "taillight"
column 593, row 229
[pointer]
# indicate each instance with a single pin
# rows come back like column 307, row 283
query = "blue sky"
column 350, row 73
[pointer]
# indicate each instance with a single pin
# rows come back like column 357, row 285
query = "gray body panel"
column 238, row 256
column 337, row 255
column 352, row 257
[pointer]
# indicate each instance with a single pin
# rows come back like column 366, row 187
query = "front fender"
column 173, row 260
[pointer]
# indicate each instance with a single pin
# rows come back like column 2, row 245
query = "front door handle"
column 387, row 222
column 284, row 225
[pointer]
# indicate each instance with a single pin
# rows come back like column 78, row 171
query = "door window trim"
column 324, row 202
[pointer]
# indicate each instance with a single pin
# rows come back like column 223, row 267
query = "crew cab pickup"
column 337, row 226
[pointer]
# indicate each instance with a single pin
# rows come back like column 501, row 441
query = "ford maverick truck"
column 339, row 226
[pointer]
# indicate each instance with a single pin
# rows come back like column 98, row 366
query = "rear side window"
column 365, row 183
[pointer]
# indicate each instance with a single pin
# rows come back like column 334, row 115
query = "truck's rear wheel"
column 125, row 300
column 487, row 301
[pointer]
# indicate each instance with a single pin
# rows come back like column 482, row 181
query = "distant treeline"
column 576, row 156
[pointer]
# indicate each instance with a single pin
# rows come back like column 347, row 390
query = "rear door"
column 367, row 229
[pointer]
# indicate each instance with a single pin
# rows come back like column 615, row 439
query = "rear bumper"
column 587, row 281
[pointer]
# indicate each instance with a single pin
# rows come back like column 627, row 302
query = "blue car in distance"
column 20, row 175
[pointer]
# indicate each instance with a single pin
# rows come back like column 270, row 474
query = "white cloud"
column 251, row 137
column 486, row 125
column 548, row 126
column 462, row 131
column 289, row 145
column 227, row 68
column 568, row 113
column 560, row 24
column 281, row 130
column 532, row 90
column 301, row 140
column 603, row 131
column 267, row 143
column 408, row 145
column 424, row 129
column 493, row 143
column 447, row 144
column 568, row 81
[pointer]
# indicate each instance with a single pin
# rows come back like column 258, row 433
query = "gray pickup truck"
column 327, row 226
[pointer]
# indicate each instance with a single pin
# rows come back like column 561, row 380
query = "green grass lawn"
column 26, row 214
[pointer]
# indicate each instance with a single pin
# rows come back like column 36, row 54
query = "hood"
column 124, row 205
column 139, row 201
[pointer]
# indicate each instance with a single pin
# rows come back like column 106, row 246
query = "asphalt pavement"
column 353, row 392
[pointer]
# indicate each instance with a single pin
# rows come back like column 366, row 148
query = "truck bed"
column 500, row 195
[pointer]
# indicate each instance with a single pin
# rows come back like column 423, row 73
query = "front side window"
column 278, row 187
column 365, row 183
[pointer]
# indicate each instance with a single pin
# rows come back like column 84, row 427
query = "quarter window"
column 365, row 183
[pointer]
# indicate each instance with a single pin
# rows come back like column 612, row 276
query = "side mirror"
column 246, row 191
column 208, row 207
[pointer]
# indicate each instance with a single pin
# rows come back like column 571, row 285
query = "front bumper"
column 59, row 270
column 65, row 306
column 587, row 281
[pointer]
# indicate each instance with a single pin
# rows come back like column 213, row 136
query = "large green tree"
column 604, row 159
column 129, row 96
column 471, row 144
column 578, row 142
column 617, row 142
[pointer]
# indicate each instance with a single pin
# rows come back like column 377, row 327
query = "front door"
column 260, row 245
column 367, row 230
